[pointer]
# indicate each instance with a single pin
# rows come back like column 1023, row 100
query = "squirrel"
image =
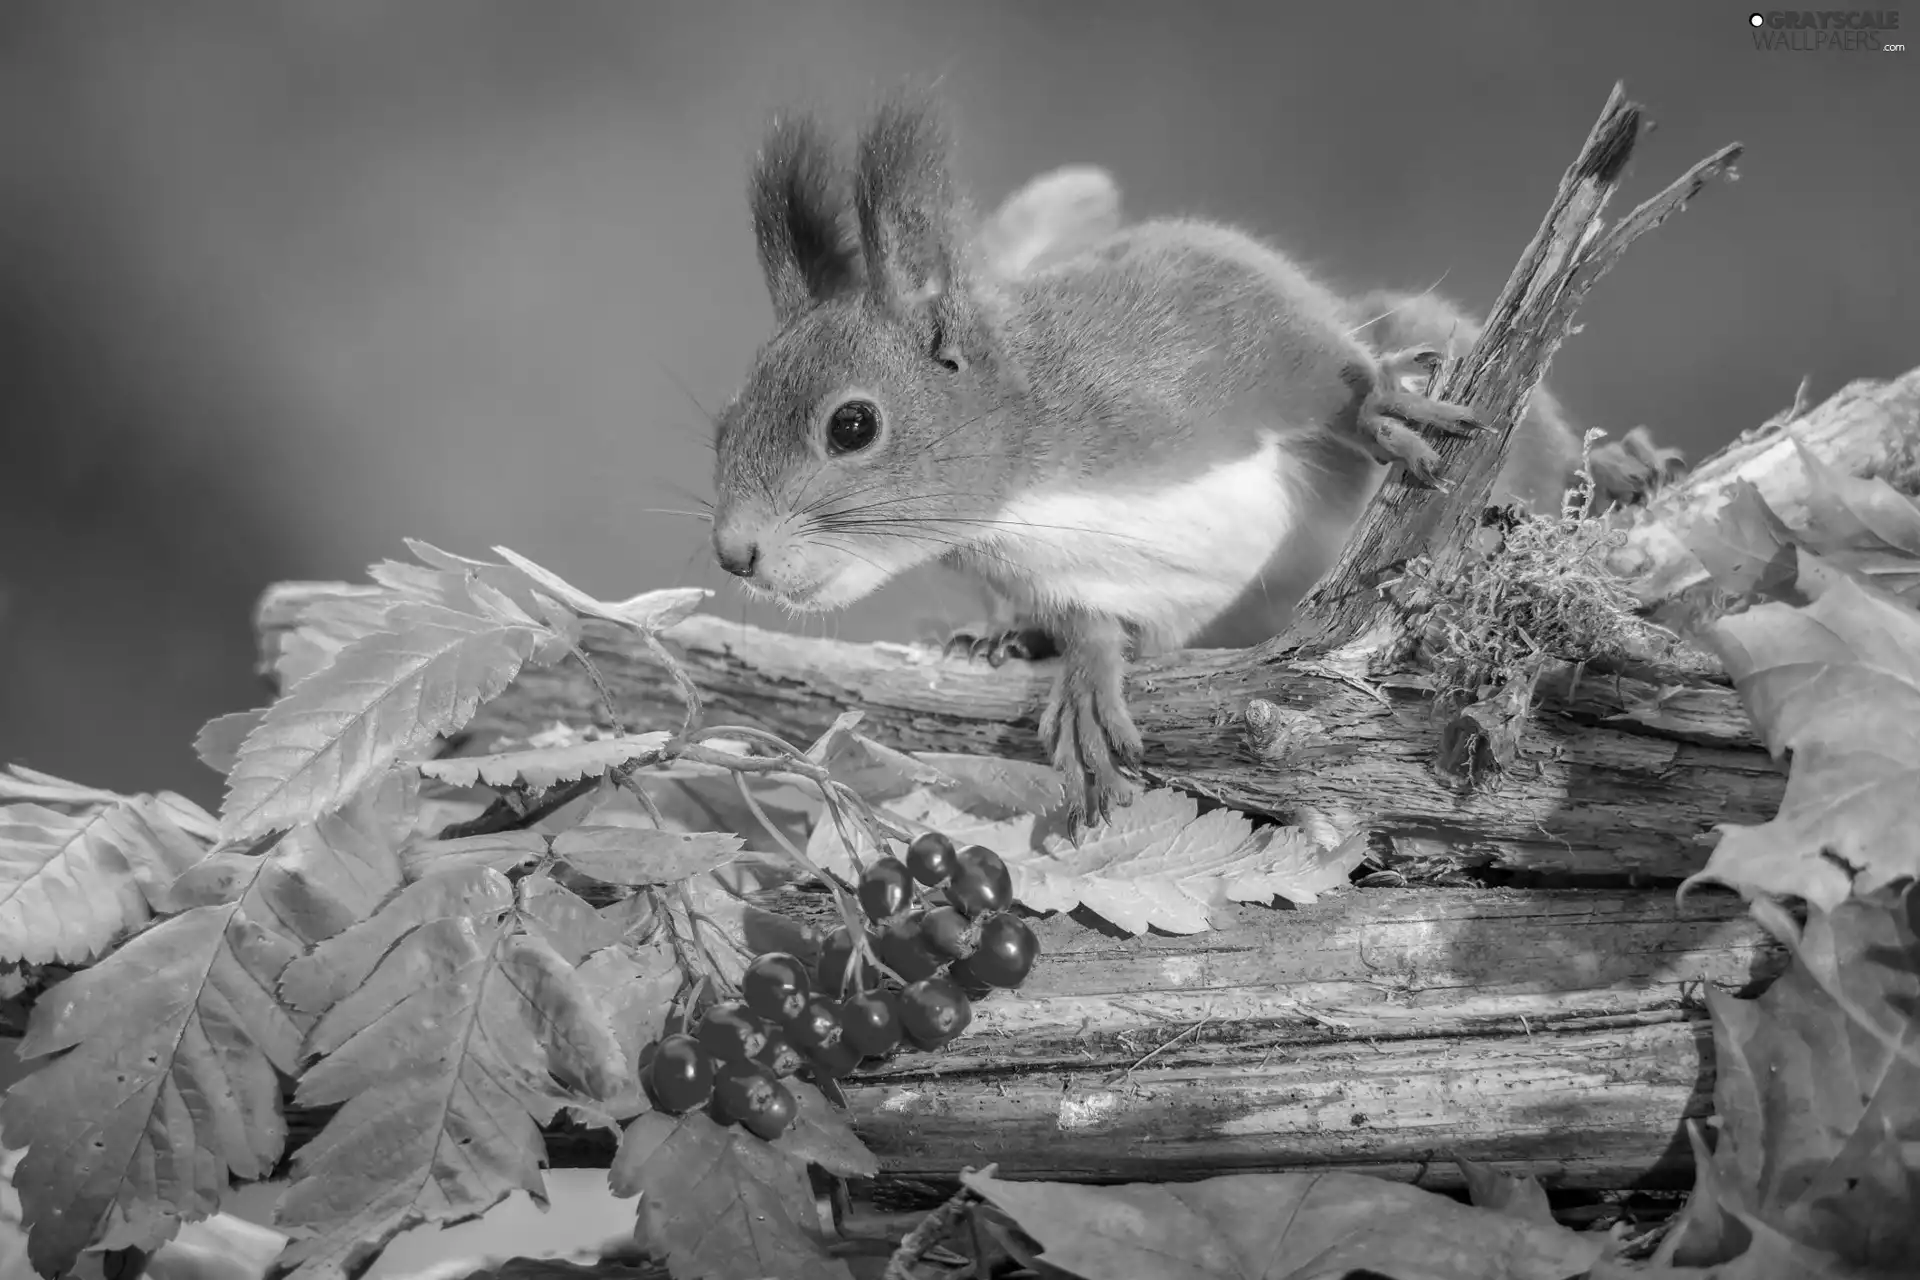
column 1116, row 427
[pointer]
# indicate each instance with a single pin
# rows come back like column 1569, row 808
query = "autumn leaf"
column 820, row 1135
column 382, row 696
column 649, row 611
column 1747, row 548
column 619, row 854
column 504, row 851
column 1818, row 1118
column 1837, row 684
column 1282, row 1226
column 1518, row 1195
column 314, row 981
column 176, row 1043
column 568, row 922
column 635, row 987
column 719, row 1203
column 464, row 1040
column 543, row 767
column 1863, row 525
column 1158, row 863
column 327, row 625
column 72, row 882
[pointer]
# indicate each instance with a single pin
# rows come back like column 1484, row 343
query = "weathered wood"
column 1557, row 1033
column 1595, row 794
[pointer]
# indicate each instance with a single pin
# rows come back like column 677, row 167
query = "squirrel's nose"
column 737, row 552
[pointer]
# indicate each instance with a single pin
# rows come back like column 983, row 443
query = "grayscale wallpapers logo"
column 1827, row 30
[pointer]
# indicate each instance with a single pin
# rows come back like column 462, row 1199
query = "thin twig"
column 930, row 1231
column 1160, row 1048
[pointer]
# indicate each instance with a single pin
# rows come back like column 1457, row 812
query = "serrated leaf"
column 1282, row 1226
column 1837, row 683
column 446, row 1062
column 750, row 930
column 820, row 1134
column 635, row 985
column 1159, row 863
column 649, row 611
column 1818, row 1119
column 384, row 695
column 699, row 798
column 325, row 627
column 218, row 742
column 18, row 782
column 72, row 883
column 313, row 982
column 502, row 850
column 567, row 921
column 545, row 767
column 987, row 782
column 639, row 855
column 716, row 1208
column 170, row 1085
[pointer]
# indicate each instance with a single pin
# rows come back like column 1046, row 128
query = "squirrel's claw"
column 1029, row 644
column 1093, row 739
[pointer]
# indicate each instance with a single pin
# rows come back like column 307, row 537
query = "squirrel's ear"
column 800, row 217
column 907, row 210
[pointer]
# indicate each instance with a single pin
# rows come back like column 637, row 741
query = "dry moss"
column 1543, row 592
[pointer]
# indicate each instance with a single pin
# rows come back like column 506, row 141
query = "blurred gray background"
column 284, row 282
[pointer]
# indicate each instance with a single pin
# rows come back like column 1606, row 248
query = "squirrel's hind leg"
column 1086, row 723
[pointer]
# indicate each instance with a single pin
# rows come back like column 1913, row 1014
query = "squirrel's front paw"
column 1384, row 415
column 1029, row 644
column 1093, row 738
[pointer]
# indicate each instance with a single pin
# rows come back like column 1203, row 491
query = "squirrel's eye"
column 853, row 426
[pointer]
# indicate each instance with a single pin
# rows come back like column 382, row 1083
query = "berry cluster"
column 787, row 1020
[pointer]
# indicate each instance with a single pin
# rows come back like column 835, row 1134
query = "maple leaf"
column 73, row 879
column 1863, row 525
column 1837, row 683
column 719, row 1204
column 1519, row 1195
column 464, row 1040
column 1282, row 1226
column 545, row 767
column 1747, row 548
column 382, row 696
column 1157, row 863
column 177, row 1042
column 1818, row 1115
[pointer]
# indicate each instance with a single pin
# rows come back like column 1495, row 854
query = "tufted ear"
column 910, row 220
column 798, row 191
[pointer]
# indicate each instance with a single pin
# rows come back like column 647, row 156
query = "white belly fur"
column 1166, row 561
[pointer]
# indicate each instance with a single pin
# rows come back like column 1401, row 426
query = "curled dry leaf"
column 1837, row 684
column 1282, row 1226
